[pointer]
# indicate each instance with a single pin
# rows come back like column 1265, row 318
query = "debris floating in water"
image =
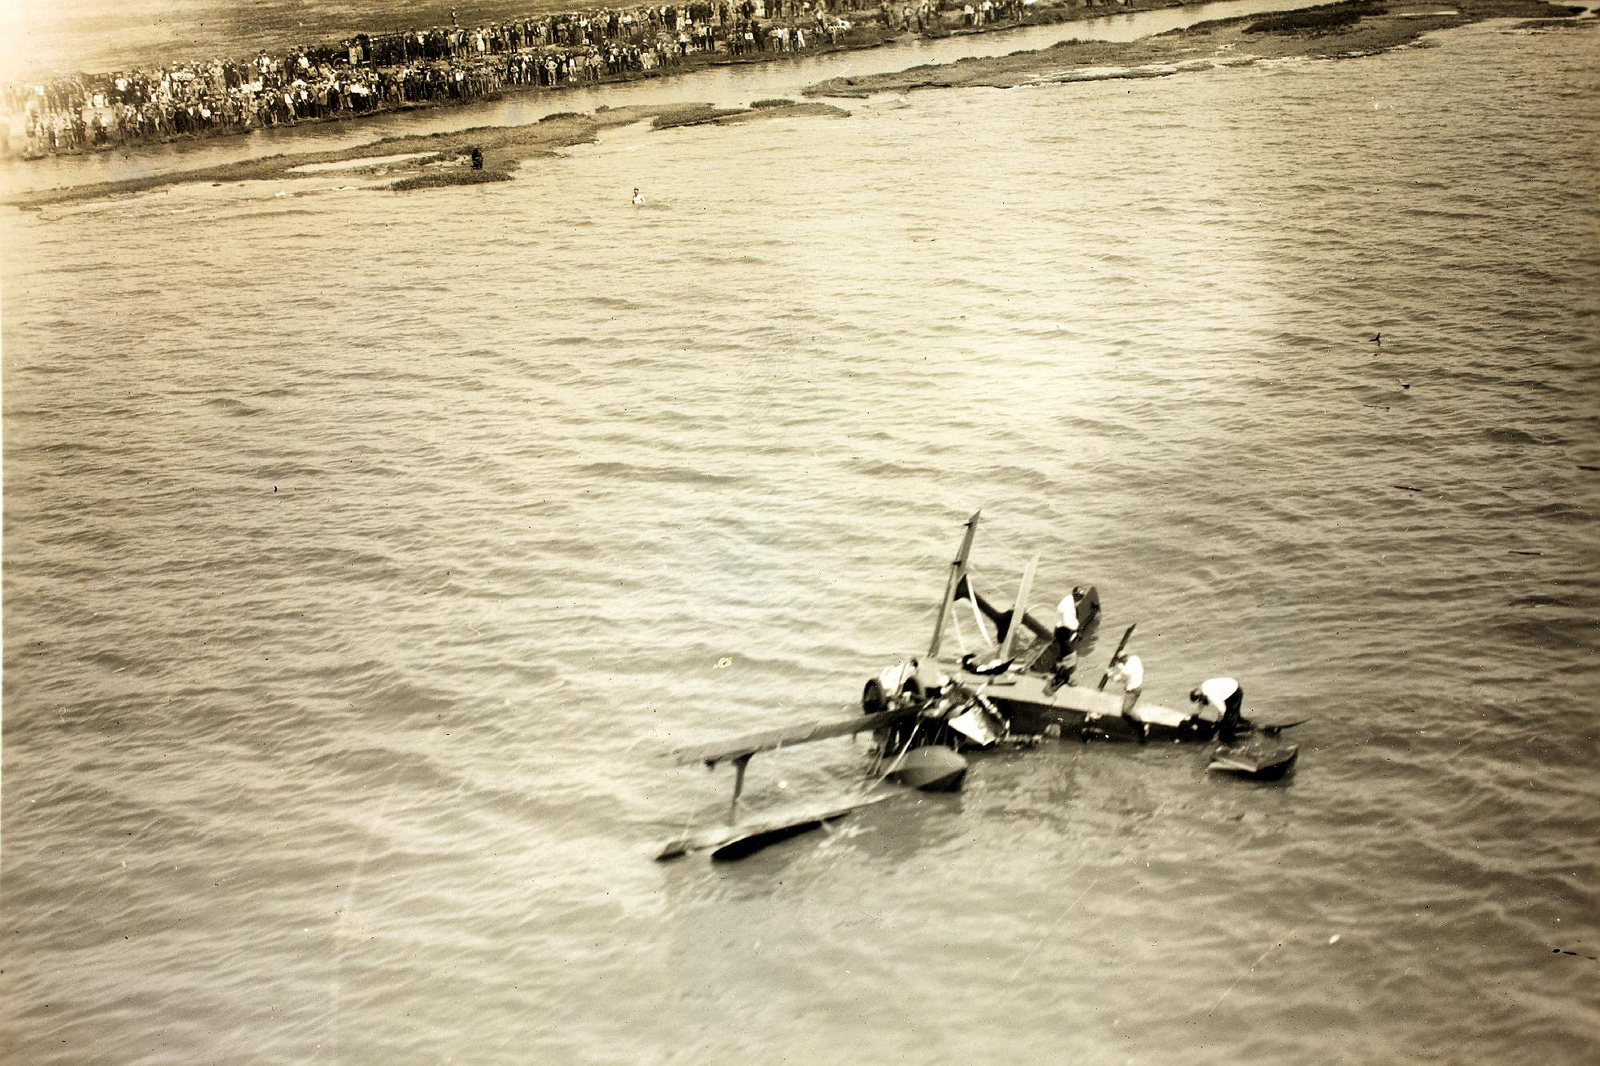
column 724, row 662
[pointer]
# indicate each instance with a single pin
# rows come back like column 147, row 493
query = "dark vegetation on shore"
column 1340, row 30
column 455, row 175
column 1316, row 19
column 1558, row 25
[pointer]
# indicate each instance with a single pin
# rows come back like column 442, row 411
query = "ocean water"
column 364, row 552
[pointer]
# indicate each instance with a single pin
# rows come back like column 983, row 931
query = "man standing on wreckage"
column 1221, row 700
column 1067, row 638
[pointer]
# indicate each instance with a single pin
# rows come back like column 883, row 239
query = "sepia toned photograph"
column 800, row 531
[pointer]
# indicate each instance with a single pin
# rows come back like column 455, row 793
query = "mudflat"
column 1342, row 30
column 430, row 160
column 1331, row 31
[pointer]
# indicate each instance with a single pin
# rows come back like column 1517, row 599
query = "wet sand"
column 864, row 34
column 436, row 159
column 1312, row 33
column 1343, row 30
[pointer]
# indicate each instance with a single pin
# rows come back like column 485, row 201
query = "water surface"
column 362, row 550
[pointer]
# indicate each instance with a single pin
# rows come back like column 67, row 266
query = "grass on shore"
column 453, row 176
column 1322, row 19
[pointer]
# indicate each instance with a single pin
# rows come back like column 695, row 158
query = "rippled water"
column 735, row 84
column 362, row 551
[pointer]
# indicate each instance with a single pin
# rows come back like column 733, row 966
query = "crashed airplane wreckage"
column 924, row 712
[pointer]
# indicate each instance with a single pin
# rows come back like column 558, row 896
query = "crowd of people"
column 385, row 71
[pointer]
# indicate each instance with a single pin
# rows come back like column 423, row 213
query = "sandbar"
column 1342, row 30
column 423, row 161
column 1331, row 31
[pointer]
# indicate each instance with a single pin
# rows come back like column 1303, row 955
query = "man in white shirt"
column 1221, row 700
column 1066, row 639
column 1128, row 671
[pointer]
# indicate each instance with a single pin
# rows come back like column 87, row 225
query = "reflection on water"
column 363, row 550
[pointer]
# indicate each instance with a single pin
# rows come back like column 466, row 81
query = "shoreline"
column 370, row 89
column 1344, row 30
column 432, row 160
column 1347, row 29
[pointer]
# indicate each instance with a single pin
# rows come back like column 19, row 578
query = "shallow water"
column 363, row 550
column 733, row 85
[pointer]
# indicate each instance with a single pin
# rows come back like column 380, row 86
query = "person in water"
column 637, row 199
column 1221, row 700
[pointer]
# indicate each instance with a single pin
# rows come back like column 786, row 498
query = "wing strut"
column 1019, row 610
column 958, row 570
column 739, row 763
column 1112, row 665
